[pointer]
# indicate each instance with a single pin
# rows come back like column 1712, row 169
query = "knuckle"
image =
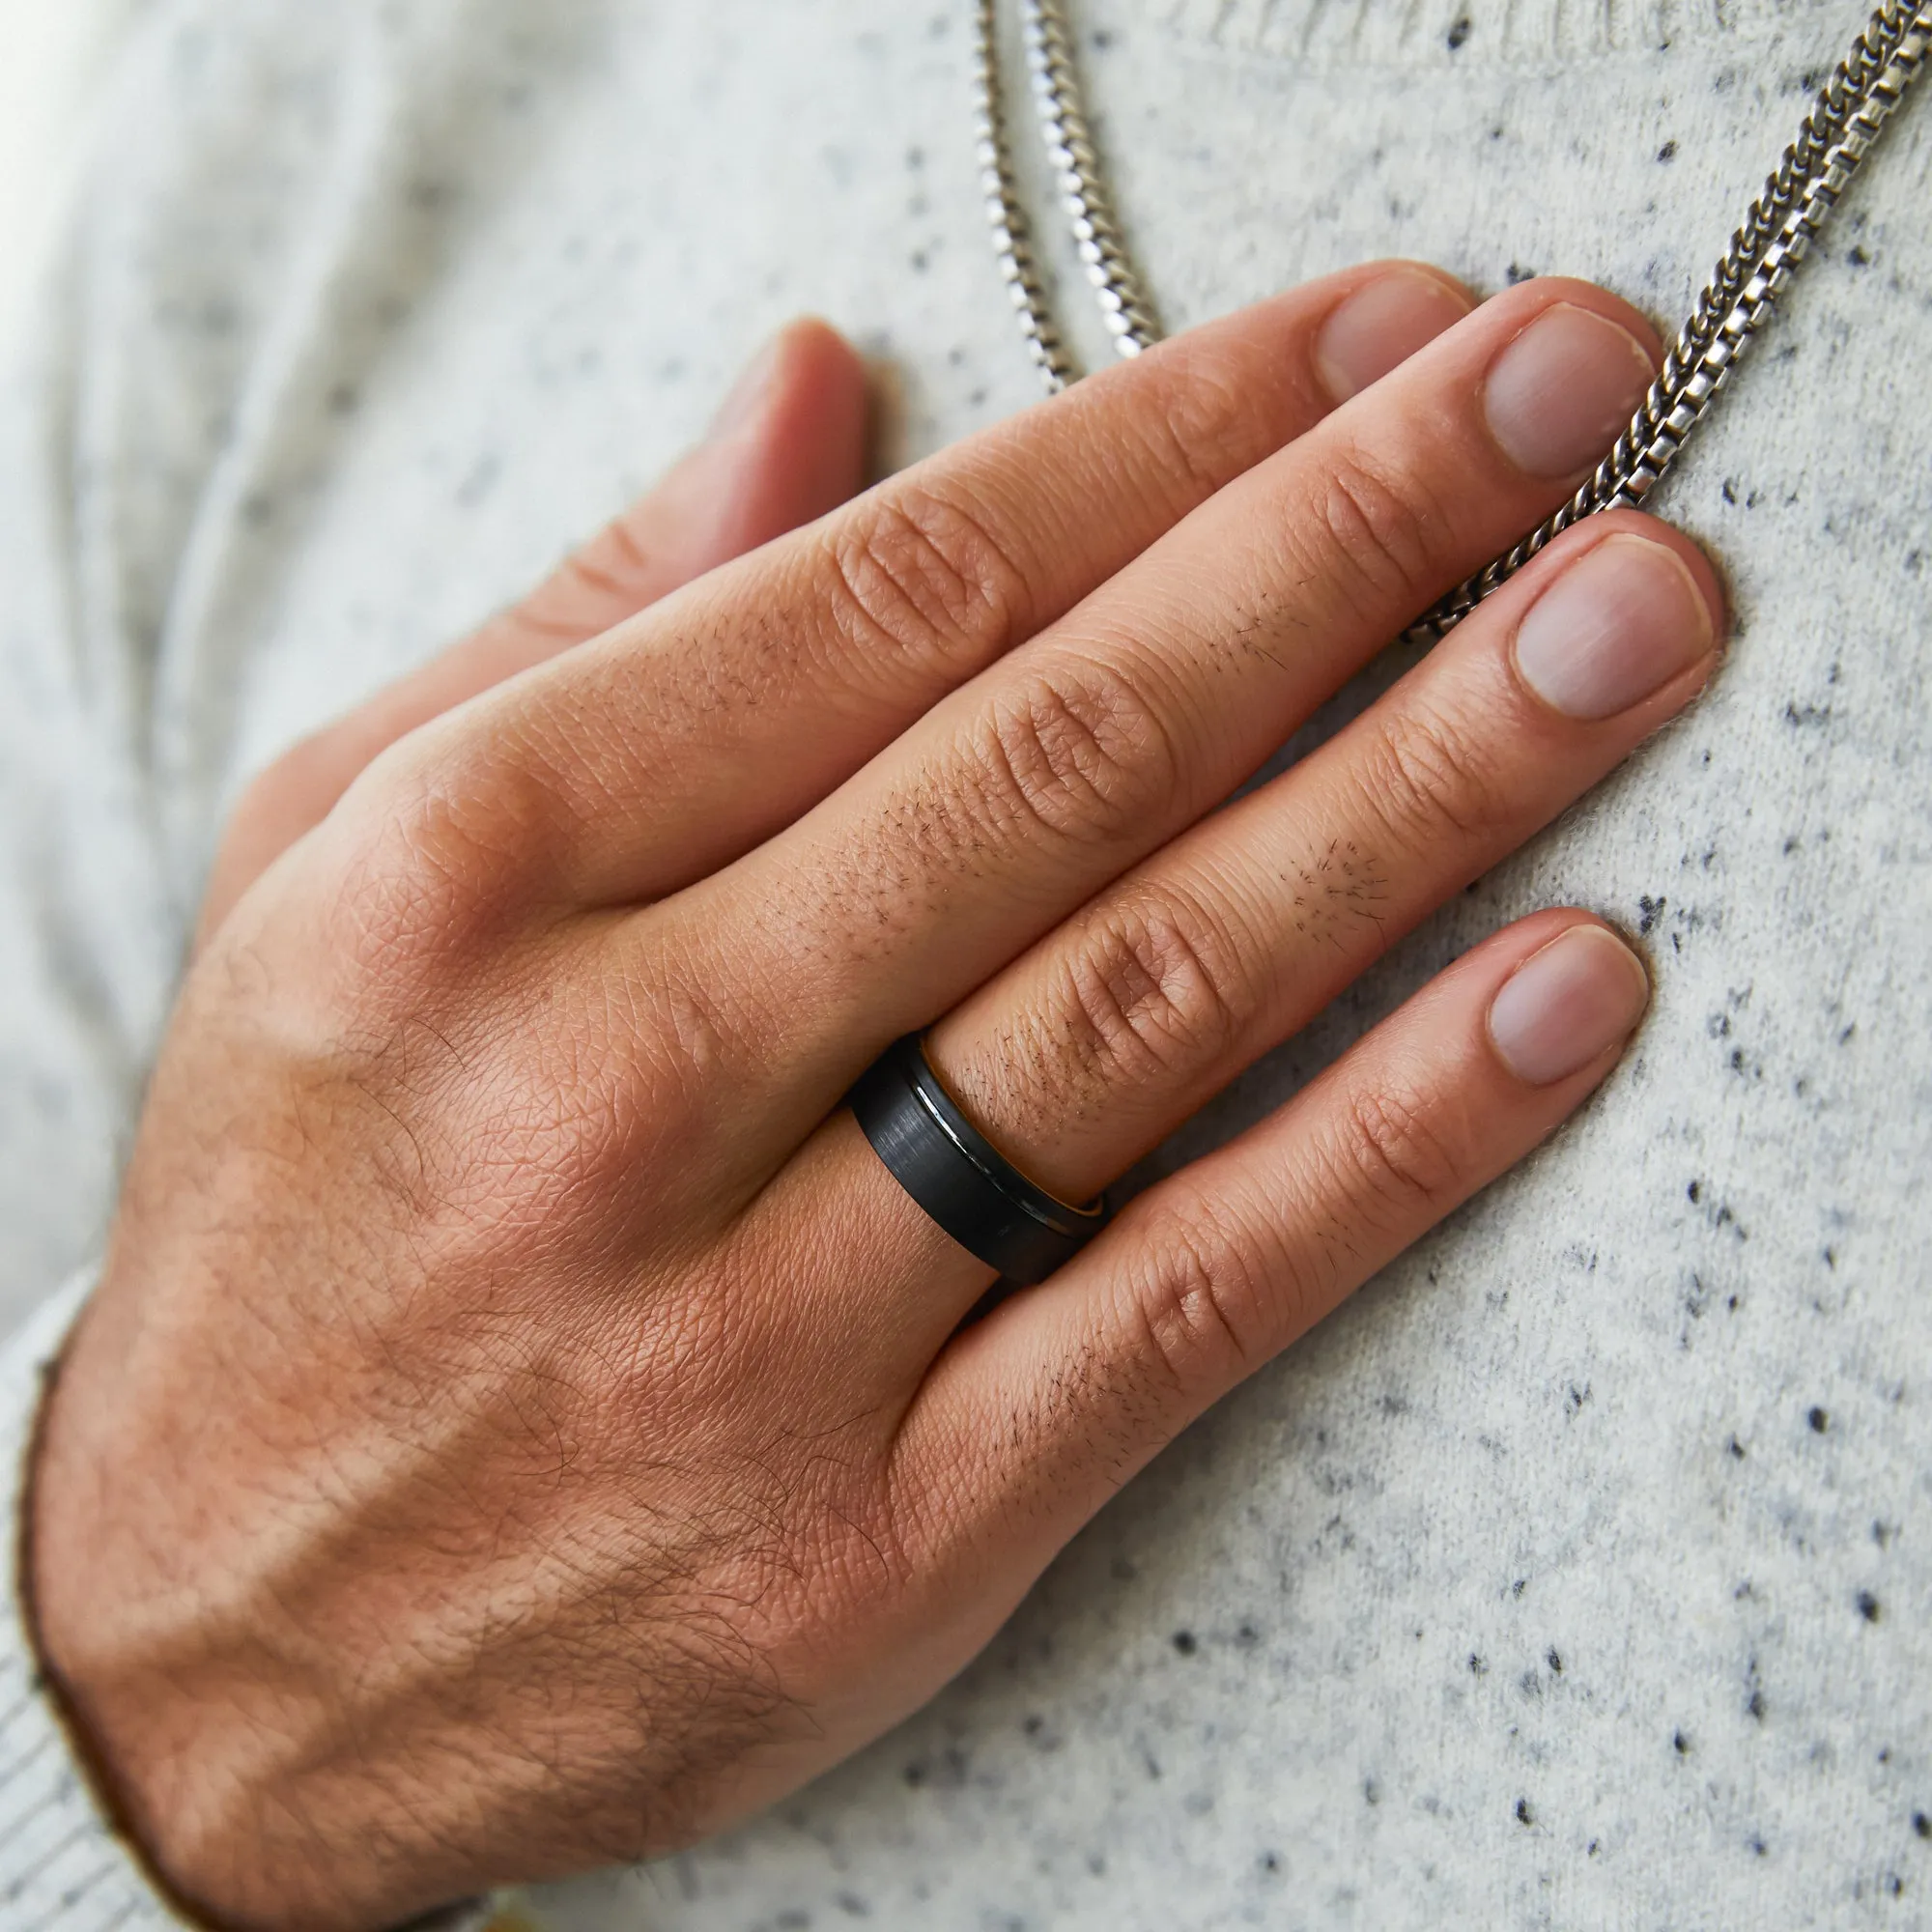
column 919, row 571
column 1424, row 776
column 1395, row 1161
column 623, row 552
column 675, row 1025
column 599, row 583
column 1073, row 752
column 584, row 592
column 438, row 874
column 1380, row 532
column 1204, row 427
column 1201, row 1293
column 1154, row 987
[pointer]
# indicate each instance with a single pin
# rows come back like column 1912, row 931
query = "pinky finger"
column 1033, row 1418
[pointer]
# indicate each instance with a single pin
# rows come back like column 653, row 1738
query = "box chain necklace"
column 1845, row 120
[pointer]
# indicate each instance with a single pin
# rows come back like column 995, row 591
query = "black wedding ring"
column 961, row 1180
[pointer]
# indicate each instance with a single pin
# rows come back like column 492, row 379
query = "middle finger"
column 1053, row 772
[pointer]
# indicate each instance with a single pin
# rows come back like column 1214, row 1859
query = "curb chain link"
column 1845, row 120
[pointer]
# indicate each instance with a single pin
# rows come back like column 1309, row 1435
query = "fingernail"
column 1568, row 1005
column 1559, row 393
column 1621, row 622
column 1381, row 325
column 748, row 394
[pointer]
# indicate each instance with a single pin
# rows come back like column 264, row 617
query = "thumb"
column 788, row 445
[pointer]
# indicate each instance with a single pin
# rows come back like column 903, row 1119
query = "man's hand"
column 522, row 1423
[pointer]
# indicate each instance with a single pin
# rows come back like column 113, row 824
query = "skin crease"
column 583, row 1447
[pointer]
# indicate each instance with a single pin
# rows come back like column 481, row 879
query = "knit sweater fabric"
column 1575, row 1572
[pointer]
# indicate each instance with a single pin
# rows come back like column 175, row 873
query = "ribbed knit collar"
column 1481, row 33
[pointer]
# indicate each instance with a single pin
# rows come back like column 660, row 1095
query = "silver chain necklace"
column 1845, row 120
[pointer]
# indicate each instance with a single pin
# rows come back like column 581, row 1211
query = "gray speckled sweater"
column 1577, row 1574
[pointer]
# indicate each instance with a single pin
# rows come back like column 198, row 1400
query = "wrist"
column 63, row 1861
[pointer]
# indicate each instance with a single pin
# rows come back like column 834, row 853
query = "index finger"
column 697, row 729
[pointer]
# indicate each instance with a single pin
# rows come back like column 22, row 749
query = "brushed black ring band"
column 962, row 1181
